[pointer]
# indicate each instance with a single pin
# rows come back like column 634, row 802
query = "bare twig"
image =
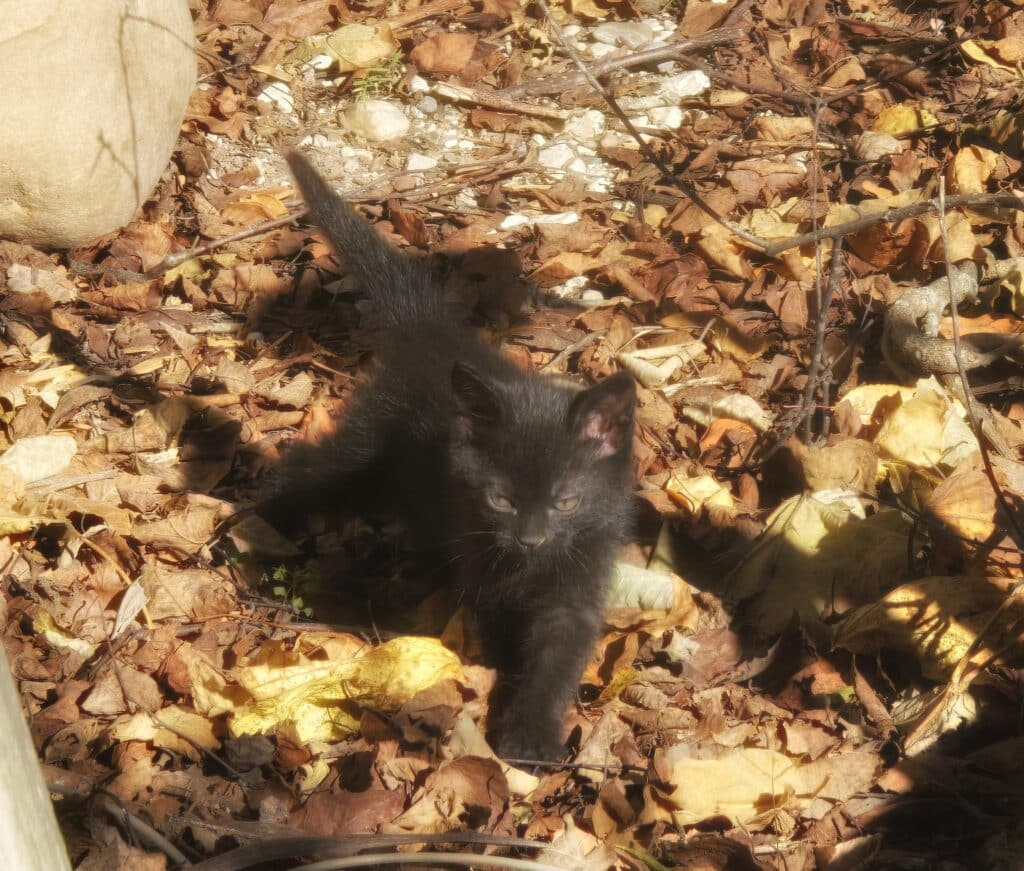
column 469, row 860
column 890, row 216
column 496, row 100
column 677, row 51
column 965, row 386
column 304, row 845
column 817, row 358
column 141, row 830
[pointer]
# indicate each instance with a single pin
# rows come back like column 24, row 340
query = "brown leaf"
column 444, row 54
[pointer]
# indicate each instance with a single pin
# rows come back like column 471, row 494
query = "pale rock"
column 320, row 62
column 592, row 295
column 30, row 279
column 450, row 144
column 666, row 66
column 577, row 165
column 873, row 146
column 538, row 139
column 92, row 96
column 600, row 50
column 692, row 83
column 571, row 287
column 630, row 34
column 317, row 140
column 377, row 120
column 666, row 117
column 278, row 95
column 514, row 221
column 417, row 162
column 36, row 457
column 466, row 145
column 428, row 105
column 571, row 30
column 585, row 126
column 418, row 85
column 555, row 156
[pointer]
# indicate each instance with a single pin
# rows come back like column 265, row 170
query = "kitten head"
column 541, row 463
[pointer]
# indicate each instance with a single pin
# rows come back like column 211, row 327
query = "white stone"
column 666, row 66
column 377, row 120
column 577, row 165
column 873, row 145
column 666, row 117
column 91, row 96
column 592, row 295
column 451, row 143
column 36, row 457
column 675, row 89
column 30, row 279
column 571, row 30
column 466, row 145
column 555, row 156
column 417, row 162
column 428, row 105
column 320, row 62
column 585, row 126
column 278, row 95
column 418, row 85
column 599, row 50
column 317, row 140
column 514, row 222
column 630, row 34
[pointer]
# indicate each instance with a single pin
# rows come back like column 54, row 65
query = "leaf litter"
column 812, row 655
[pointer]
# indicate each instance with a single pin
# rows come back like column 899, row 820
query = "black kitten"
column 523, row 482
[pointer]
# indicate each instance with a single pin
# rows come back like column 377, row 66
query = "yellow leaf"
column 903, row 119
column 307, row 694
column 936, row 619
column 172, row 728
column 742, row 783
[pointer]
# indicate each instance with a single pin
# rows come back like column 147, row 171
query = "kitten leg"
column 333, row 477
column 557, row 644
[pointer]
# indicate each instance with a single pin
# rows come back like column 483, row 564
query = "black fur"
column 524, row 482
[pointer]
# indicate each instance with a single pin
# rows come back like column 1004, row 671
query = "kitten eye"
column 500, row 501
column 567, row 503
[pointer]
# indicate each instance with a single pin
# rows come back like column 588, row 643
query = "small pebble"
column 599, row 50
column 278, row 96
column 666, row 117
column 428, row 105
column 417, row 162
column 317, row 140
column 631, row 34
column 585, row 126
column 572, row 30
column 418, row 85
column 675, row 89
column 577, row 165
column 404, row 183
column 592, row 295
column 320, row 62
column 377, row 120
column 555, row 156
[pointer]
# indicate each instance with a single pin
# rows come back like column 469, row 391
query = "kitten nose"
column 530, row 539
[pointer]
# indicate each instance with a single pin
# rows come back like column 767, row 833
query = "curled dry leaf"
column 307, row 692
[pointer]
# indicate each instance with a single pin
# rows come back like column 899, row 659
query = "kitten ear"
column 604, row 414
column 474, row 395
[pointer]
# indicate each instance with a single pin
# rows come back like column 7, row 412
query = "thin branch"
column 890, row 216
column 677, row 51
column 468, row 860
column 965, row 385
column 141, row 830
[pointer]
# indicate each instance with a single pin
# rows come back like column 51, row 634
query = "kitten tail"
column 402, row 289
